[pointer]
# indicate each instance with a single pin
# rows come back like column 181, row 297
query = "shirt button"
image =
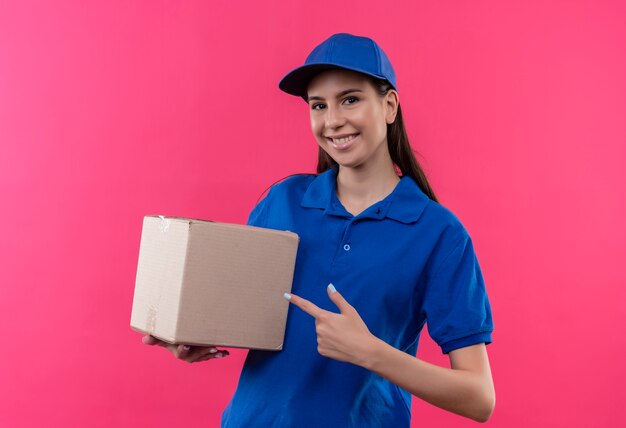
column 346, row 247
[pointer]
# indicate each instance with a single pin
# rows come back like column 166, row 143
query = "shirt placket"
column 342, row 252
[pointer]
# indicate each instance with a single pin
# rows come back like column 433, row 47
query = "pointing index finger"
column 307, row 306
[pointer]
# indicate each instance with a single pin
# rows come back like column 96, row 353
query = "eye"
column 315, row 106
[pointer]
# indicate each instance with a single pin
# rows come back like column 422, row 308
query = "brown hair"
column 399, row 148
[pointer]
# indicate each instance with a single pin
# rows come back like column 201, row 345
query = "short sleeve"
column 458, row 312
column 260, row 213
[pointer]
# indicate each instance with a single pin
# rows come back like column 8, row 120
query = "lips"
column 343, row 143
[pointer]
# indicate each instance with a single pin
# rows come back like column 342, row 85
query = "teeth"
column 343, row 140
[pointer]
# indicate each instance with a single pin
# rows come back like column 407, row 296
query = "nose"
column 334, row 118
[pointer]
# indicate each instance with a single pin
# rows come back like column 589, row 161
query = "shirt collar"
column 404, row 204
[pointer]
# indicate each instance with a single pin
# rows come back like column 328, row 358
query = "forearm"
column 458, row 391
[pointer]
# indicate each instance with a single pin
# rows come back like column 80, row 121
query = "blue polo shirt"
column 403, row 262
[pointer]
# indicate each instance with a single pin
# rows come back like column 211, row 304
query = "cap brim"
column 297, row 80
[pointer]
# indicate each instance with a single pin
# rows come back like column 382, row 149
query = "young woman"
column 378, row 258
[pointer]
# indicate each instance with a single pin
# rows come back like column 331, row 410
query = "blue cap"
column 341, row 50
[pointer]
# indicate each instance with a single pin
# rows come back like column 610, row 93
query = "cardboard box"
column 208, row 283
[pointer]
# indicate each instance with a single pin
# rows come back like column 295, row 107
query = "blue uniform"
column 404, row 261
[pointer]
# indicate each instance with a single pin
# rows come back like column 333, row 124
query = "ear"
column 391, row 106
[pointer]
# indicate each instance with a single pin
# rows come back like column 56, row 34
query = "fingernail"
column 218, row 356
column 212, row 350
column 186, row 347
column 331, row 287
column 287, row 296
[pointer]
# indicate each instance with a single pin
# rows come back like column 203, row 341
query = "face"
column 349, row 119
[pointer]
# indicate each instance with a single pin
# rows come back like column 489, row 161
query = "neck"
column 366, row 185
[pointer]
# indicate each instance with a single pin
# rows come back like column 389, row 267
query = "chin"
column 351, row 165
column 341, row 161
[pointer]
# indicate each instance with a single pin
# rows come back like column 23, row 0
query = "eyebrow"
column 339, row 95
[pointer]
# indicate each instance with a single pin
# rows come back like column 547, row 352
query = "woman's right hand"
column 191, row 354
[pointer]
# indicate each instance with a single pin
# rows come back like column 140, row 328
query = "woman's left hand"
column 342, row 336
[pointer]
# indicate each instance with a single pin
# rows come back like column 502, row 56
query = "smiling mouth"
column 342, row 141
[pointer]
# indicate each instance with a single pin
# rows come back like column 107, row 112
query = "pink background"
column 113, row 110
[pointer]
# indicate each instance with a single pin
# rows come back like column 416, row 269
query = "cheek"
column 377, row 124
column 316, row 126
column 367, row 120
column 316, row 130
